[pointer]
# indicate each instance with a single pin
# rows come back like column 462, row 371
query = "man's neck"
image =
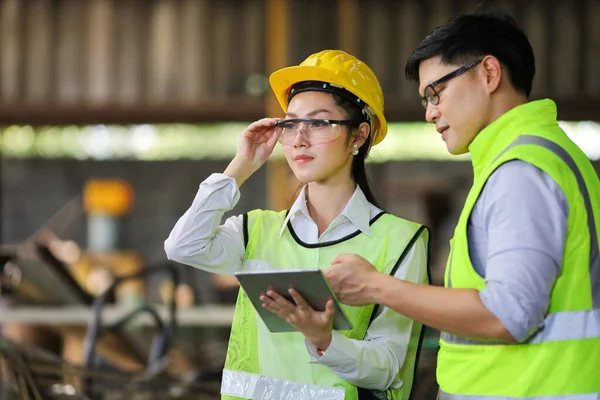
column 504, row 102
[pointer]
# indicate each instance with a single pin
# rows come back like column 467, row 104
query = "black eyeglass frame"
column 434, row 97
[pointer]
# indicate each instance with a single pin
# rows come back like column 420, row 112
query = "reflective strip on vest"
column 567, row 159
column 587, row 396
column 567, row 325
column 450, row 263
column 254, row 386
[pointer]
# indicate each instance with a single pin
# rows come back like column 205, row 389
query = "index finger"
column 299, row 300
column 263, row 123
column 339, row 258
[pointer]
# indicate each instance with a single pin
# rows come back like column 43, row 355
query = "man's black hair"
column 466, row 38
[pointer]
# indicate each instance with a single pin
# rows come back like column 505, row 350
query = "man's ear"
column 492, row 73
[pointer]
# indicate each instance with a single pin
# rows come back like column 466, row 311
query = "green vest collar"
column 494, row 138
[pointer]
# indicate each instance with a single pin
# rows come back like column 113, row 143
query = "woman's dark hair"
column 358, row 170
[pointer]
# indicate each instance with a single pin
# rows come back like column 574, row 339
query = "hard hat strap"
column 318, row 86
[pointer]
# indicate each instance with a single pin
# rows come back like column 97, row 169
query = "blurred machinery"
column 73, row 319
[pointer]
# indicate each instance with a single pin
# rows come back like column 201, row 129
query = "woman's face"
column 318, row 162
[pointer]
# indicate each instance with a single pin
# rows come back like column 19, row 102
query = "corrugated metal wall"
column 199, row 60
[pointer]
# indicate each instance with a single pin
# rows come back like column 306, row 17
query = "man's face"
column 462, row 103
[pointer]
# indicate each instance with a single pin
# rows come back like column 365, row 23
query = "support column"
column 280, row 180
column 347, row 31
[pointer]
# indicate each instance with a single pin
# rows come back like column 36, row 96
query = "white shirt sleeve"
column 199, row 240
column 374, row 363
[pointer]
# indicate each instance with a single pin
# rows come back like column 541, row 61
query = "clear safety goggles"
column 315, row 131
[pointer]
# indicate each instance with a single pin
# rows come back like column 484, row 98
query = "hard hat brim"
column 282, row 80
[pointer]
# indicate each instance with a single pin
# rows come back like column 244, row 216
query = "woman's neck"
column 326, row 200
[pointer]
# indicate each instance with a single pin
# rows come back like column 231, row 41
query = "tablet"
column 311, row 284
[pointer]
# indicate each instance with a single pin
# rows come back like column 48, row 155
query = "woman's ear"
column 361, row 135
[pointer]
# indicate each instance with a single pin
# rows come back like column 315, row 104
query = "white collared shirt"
column 357, row 215
column 199, row 240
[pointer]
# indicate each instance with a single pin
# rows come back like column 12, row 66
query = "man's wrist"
column 375, row 289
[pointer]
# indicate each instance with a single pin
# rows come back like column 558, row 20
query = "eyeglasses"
column 315, row 131
column 432, row 96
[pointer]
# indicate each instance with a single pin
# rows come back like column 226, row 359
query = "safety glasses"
column 315, row 131
column 432, row 96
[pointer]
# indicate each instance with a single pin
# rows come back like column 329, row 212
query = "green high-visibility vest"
column 265, row 365
column 562, row 359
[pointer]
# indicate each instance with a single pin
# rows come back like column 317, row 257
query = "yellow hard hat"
column 339, row 69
